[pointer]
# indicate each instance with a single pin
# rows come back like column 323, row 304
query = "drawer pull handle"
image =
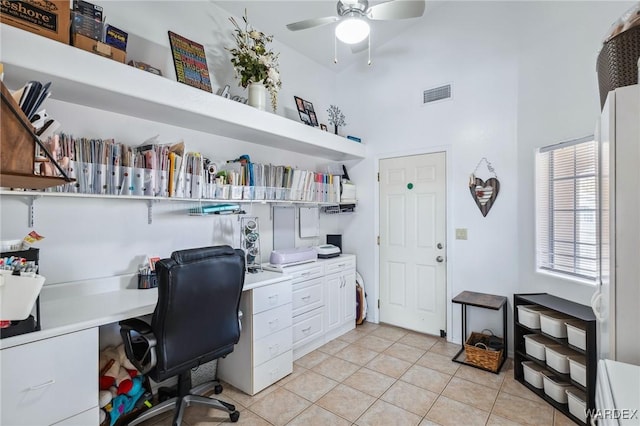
column 273, row 323
column 305, row 274
column 274, row 349
column 43, row 385
column 273, row 299
column 305, row 298
column 341, row 265
column 306, row 330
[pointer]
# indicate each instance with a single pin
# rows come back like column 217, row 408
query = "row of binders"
column 104, row 166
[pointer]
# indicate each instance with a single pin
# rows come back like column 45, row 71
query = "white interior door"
column 412, row 242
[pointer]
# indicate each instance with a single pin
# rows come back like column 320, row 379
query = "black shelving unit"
column 574, row 310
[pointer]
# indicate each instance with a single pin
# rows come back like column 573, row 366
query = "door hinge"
column 378, row 239
column 378, row 303
column 378, row 176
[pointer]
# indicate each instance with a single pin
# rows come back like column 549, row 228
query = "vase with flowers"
column 254, row 64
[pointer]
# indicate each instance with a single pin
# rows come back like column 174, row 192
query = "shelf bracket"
column 32, row 209
column 150, row 204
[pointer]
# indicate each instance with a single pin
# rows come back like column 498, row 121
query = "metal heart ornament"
column 484, row 193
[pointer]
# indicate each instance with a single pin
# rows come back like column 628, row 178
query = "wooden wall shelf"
column 17, row 148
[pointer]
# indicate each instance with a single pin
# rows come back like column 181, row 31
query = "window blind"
column 567, row 208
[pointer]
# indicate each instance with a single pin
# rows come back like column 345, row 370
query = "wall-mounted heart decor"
column 484, row 193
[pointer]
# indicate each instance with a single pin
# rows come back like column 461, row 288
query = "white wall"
column 93, row 238
column 523, row 76
column 558, row 100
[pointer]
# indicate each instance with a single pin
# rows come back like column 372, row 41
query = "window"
column 567, row 209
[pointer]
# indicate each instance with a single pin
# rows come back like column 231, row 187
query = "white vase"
column 258, row 96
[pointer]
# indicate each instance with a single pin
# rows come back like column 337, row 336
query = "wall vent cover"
column 436, row 94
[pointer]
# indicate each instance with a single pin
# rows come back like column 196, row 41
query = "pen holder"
column 147, row 281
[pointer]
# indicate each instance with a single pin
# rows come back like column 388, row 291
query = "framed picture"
column 190, row 62
column 323, row 127
column 306, row 111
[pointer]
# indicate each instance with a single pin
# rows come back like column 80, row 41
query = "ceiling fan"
column 353, row 16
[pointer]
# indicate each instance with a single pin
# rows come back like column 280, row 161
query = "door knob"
column 439, row 259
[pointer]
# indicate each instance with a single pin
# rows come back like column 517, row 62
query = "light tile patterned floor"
column 383, row 375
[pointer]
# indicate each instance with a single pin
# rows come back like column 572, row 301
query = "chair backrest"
column 196, row 317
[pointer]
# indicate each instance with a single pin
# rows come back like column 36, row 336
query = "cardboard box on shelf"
column 43, row 17
column 99, row 48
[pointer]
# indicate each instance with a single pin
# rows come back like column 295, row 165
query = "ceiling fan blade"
column 397, row 9
column 311, row 23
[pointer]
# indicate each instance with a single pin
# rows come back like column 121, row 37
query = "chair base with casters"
column 186, row 397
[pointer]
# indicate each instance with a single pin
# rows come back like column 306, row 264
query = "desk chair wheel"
column 217, row 390
column 234, row 416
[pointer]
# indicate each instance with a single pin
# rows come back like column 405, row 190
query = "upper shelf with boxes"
column 91, row 80
column 555, row 352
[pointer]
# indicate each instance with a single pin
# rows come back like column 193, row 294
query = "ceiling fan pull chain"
column 369, row 50
column 335, row 49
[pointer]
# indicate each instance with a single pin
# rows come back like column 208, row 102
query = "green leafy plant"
column 252, row 61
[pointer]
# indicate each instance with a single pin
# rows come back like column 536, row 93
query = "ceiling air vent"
column 436, row 94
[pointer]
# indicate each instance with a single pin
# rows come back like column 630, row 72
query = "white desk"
column 51, row 376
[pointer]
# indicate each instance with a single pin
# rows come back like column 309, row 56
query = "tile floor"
column 383, row 375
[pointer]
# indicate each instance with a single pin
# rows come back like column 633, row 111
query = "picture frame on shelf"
column 306, row 111
column 190, row 62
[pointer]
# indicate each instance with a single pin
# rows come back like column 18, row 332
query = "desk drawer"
column 271, row 296
column 266, row 323
column 271, row 346
column 49, row 380
column 340, row 265
column 307, row 327
column 307, row 296
column 272, row 371
column 306, row 273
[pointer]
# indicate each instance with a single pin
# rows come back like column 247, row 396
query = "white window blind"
column 567, row 210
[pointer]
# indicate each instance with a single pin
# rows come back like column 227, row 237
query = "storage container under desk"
column 263, row 355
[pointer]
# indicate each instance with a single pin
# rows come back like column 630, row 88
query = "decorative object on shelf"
column 336, row 118
column 306, row 111
column 250, row 242
column 257, row 96
column 323, row 127
column 354, row 138
column 484, row 193
column 253, row 62
column 145, row 67
column 224, row 92
column 49, row 18
column 190, row 62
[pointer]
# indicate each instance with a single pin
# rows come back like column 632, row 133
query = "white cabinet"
column 340, row 282
column 263, row 355
column 308, row 307
column 50, row 380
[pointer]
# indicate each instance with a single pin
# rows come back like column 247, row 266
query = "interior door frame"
column 449, row 230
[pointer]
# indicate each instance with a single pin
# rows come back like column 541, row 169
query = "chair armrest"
column 139, row 344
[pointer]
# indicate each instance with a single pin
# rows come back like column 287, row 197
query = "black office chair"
column 196, row 320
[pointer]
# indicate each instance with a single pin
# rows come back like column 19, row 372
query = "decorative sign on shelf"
column 190, row 62
column 484, row 193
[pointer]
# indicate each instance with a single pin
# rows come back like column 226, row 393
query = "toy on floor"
column 116, row 370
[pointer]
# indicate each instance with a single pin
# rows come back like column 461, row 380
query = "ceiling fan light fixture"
column 352, row 30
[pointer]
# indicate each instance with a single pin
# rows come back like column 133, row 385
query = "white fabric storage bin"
column 578, row 369
column 553, row 323
column 577, row 333
column 577, row 403
column 534, row 345
column 532, row 374
column 529, row 315
column 557, row 357
column 555, row 388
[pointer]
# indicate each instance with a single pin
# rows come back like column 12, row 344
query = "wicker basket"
column 618, row 62
column 479, row 355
